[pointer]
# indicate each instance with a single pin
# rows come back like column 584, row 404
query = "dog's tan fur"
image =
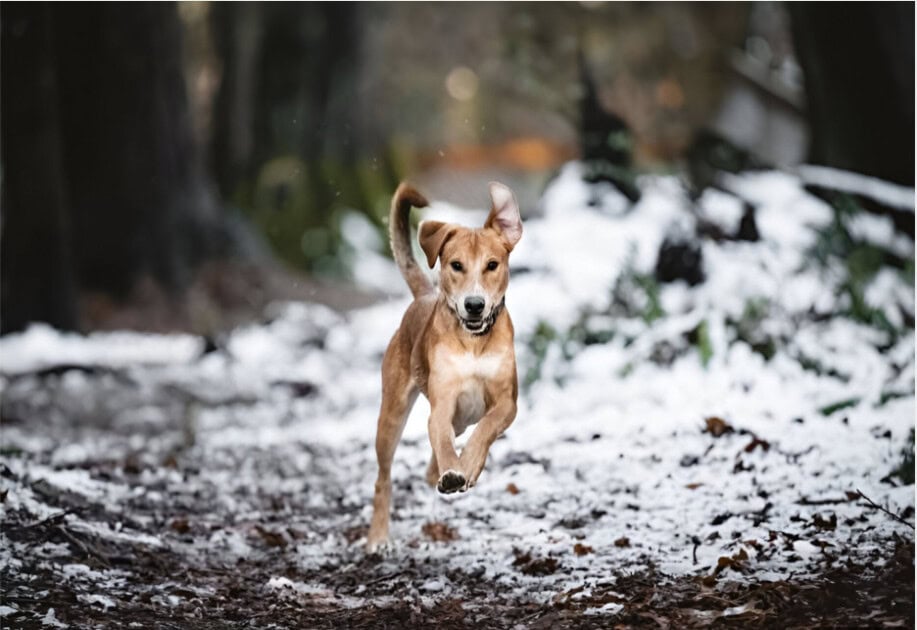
column 467, row 373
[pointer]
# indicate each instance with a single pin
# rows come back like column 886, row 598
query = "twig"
column 883, row 509
column 806, row 501
column 382, row 578
column 44, row 521
column 87, row 549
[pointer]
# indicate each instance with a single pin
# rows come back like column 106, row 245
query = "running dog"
column 454, row 345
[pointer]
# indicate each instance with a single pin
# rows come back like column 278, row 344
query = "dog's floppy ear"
column 433, row 235
column 504, row 214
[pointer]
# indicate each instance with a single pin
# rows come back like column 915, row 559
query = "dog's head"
column 474, row 270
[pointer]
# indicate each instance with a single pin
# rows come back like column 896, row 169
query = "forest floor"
column 731, row 448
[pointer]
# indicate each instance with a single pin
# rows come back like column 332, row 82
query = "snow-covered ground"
column 660, row 424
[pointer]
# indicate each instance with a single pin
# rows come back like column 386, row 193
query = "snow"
column 608, row 441
column 893, row 195
column 50, row 619
column 42, row 346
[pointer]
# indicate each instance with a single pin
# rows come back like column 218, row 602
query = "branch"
column 883, row 509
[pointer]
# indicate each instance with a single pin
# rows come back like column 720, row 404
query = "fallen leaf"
column 693, row 486
column 756, row 442
column 717, row 426
column 180, row 525
column 623, row 541
column 581, row 549
column 829, row 524
column 530, row 565
column 271, row 539
column 439, row 532
column 512, row 488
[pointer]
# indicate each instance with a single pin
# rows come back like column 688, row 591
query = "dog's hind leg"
column 396, row 404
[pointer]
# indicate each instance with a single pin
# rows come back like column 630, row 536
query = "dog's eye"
column 492, row 265
column 456, row 265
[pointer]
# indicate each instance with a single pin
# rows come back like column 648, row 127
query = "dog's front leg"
column 442, row 439
column 491, row 426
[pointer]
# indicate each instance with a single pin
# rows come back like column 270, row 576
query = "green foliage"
column 749, row 328
column 905, row 470
column 704, row 347
column 297, row 206
column 538, row 345
column 827, row 410
column 636, row 294
column 860, row 260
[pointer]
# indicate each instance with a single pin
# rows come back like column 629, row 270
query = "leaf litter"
column 146, row 481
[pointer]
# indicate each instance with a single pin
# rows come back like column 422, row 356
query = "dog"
column 454, row 346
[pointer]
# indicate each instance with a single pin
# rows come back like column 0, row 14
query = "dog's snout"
column 474, row 305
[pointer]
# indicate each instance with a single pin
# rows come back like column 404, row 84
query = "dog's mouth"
column 473, row 325
column 481, row 325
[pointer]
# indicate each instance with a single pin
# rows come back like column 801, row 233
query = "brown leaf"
column 530, row 565
column 439, row 532
column 512, row 488
column 271, row 539
column 717, row 426
column 723, row 562
column 581, row 549
column 757, row 442
column 180, row 525
column 826, row 524
column 693, row 486
column 623, row 541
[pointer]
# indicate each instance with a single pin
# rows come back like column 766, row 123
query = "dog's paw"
column 452, row 481
column 378, row 547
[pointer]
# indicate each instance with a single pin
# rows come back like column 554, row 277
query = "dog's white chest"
column 469, row 372
column 469, row 366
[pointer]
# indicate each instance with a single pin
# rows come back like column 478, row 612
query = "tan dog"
column 454, row 345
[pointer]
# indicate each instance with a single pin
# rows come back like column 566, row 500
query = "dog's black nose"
column 474, row 305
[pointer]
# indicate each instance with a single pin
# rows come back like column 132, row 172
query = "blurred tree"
column 858, row 60
column 36, row 278
column 285, row 138
column 607, row 142
column 102, row 186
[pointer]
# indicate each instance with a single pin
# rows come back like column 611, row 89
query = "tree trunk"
column 36, row 267
column 102, row 182
column 858, row 60
column 139, row 201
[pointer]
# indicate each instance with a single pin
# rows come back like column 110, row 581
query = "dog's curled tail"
column 399, row 231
